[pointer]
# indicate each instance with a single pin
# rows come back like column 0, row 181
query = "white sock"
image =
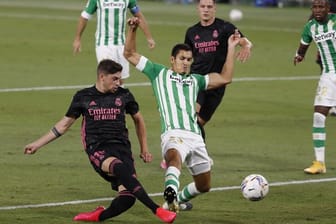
column 172, row 178
column 188, row 192
column 319, row 136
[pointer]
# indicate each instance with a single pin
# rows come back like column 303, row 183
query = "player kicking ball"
column 103, row 108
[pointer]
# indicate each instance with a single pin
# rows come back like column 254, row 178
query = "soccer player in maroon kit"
column 105, row 140
column 208, row 40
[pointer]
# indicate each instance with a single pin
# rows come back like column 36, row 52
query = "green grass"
column 261, row 126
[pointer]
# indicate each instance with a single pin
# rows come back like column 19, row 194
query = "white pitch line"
column 157, row 22
column 294, row 182
column 246, row 79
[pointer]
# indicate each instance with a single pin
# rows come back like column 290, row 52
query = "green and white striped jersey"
column 324, row 35
column 111, row 19
column 175, row 95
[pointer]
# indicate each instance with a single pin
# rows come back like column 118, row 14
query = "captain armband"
column 56, row 132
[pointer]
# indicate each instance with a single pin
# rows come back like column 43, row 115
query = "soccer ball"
column 254, row 187
column 235, row 15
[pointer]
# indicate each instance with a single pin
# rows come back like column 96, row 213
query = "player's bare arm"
column 80, row 29
column 59, row 129
column 130, row 44
column 300, row 54
column 225, row 77
column 141, row 132
column 145, row 28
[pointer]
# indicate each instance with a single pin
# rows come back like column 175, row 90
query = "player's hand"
column 298, row 58
column 234, row 39
column 76, row 46
column 151, row 43
column 244, row 54
column 146, row 157
column 133, row 22
column 30, row 148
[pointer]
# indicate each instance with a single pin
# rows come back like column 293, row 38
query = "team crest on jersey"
column 331, row 35
column 118, row 102
column 215, row 34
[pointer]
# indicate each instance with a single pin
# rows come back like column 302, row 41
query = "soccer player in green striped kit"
column 110, row 31
column 176, row 90
column 322, row 30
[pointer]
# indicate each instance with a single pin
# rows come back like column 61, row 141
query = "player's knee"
column 115, row 166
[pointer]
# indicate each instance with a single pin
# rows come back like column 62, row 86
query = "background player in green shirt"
column 322, row 30
column 110, row 31
column 176, row 90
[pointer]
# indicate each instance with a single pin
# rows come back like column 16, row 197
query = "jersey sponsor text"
column 325, row 36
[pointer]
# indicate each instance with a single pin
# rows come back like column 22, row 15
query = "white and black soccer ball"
column 254, row 187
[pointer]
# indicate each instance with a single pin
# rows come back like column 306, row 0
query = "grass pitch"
column 263, row 125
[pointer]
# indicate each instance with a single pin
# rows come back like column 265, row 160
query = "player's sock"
column 188, row 192
column 118, row 168
column 172, row 178
column 120, row 204
column 319, row 136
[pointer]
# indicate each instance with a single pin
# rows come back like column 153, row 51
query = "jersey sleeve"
column 90, row 9
column 306, row 37
column 150, row 69
column 187, row 39
column 230, row 29
column 75, row 109
column 132, row 107
column 203, row 81
column 133, row 7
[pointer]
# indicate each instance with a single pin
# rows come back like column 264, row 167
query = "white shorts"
column 326, row 91
column 191, row 148
column 115, row 53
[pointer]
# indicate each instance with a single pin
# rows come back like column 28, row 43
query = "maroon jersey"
column 103, row 115
column 209, row 45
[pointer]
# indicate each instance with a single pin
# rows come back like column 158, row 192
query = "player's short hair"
column 180, row 47
column 108, row 66
column 198, row 1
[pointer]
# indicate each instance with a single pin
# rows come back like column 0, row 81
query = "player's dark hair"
column 180, row 47
column 108, row 66
column 214, row 1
